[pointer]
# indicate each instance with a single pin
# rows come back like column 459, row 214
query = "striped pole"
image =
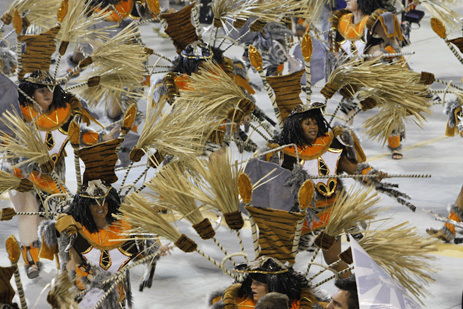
column 297, row 235
column 238, row 233
column 256, row 60
column 139, row 177
column 14, row 252
column 317, row 250
column 222, row 249
column 336, row 111
column 454, row 51
column 195, row 13
column 389, row 55
column 272, row 97
column 333, row 277
column 324, row 269
column 125, row 176
column 226, row 271
column 254, row 237
column 307, row 48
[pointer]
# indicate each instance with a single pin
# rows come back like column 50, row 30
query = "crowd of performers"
column 290, row 194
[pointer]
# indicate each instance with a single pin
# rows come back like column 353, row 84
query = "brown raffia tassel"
column 7, row 18
column 204, row 229
column 217, row 136
column 348, row 91
column 156, row 159
column 458, row 42
column 427, row 78
column 324, row 241
column 47, row 167
column 218, row 23
column 257, row 25
column 186, row 244
column 367, row 104
column 24, row 185
column 94, row 81
column 136, row 154
column 129, row 118
column 7, row 213
column 234, row 220
column 329, row 90
column 245, row 107
column 346, row 256
column 85, row 62
column 62, row 47
column 239, row 23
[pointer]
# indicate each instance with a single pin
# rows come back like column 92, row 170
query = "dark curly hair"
column 80, row 209
column 369, row 6
column 60, row 97
column 350, row 285
column 293, row 133
column 289, row 283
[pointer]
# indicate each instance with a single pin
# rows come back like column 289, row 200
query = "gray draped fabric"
column 272, row 194
column 8, row 100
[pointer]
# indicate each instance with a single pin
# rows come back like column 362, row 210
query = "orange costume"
column 325, row 156
column 378, row 31
column 53, row 128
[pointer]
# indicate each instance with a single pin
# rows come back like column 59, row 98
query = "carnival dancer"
column 322, row 151
column 45, row 104
column 367, row 28
column 454, row 126
column 261, row 277
column 92, row 239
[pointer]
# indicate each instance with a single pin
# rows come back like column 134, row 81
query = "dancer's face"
column 259, row 289
column 339, row 300
column 352, row 5
column 99, row 211
column 44, row 97
column 310, row 128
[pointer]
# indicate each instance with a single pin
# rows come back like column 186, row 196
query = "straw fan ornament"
column 392, row 87
column 410, row 265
